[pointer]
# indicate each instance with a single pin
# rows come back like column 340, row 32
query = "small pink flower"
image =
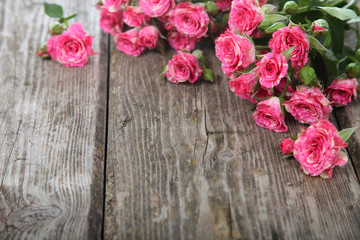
column 234, row 51
column 148, row 36
column 134, row 17
column 287, row 146
column 111, row 22
column 271, row 69
column 128, row 42
column 243, row 86
column 261, row 94
column 245, row 16
column 341, row 90
column 224, row 5
column 317, row 149
column 183, row 67
column 268, row 115
column 114, row 5
column 190, row 19
column 287, row 37
column 156, row 8
column 280, row 88
column 308, row 105
column 180, row 41
column 72, row 48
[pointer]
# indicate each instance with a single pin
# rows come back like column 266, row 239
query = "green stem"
column 66, row 23
column 261, row 47
column 285, row 89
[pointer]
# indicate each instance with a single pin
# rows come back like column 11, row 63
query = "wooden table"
column 114, row 151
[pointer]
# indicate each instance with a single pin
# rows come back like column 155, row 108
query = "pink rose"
column 183, row 67
column 261, row 94
column 280, row 88
column 318, row 149
column 148, row 36
column 134, row 17
column 224, row 5
column 341, row 90
column 111, row 22
column 287, row 37
column 268, row 115
column 245, row 16
column 180, row 41
column 114, row 5
column 156, row 8
column 271, row 69
column 190, row 19
column 287, row 146
column 72, row 48
column 243, row 86
column 234, row 51
column 128, row 42
column 308, row 105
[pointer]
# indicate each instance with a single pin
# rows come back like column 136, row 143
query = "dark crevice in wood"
column 106, row 131
column 357, row 174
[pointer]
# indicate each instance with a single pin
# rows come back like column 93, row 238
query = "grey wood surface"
column 188, row 162
column 182, row 161
column 52, row 129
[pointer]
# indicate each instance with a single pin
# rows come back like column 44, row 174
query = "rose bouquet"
column 287, row 58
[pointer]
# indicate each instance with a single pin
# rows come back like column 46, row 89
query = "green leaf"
column 303, row 3
column 197, row 54
column 354, row 20
column 346, row 133
column 314, row 43
column 270, row 19
column 163, row 71
column 340, row 13
column 268, row 8
column 208, row 75
column 53, row 10
column 337, row 32
column 274, row 27
column 307, row 75
column 288, row 52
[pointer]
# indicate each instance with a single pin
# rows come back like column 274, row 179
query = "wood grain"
column 52, row 129
column 188, row 162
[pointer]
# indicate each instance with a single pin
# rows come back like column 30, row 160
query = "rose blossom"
column 268, row 115
column 234, row 51
column 317, row 149
column 180, row 41
column 287, row 146
column 341, row 90
column 243, row 86
column 271, row 69
column 183, row 67
column 261, row 94
column 287, row 37
column 128, row 42
column 308, row 105
column 148, row 36
column 280, row 88
column 111, row 22
column 245, row 16
column 224, row 5
column 156, row 8
column 190, row 19
column 113, row 5
column 134, row 17
column 72, row 48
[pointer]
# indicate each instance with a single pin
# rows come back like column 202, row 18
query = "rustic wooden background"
column 114, row 151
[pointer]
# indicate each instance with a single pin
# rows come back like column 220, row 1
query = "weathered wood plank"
column 52, row 129
column 188, row 162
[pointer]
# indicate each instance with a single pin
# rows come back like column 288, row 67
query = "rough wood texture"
column 52, row 128
column 188, row 162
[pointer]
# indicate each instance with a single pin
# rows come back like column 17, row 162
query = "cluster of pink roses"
column 266, row 79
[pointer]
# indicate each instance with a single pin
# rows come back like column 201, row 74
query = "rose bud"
column 148, row 36
column 211, row 8
column 55, row 28
column 291, row 7
column 357, row 54
column 42, row 52
column 320, row 27
column 352, row 70
column 287, row 146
